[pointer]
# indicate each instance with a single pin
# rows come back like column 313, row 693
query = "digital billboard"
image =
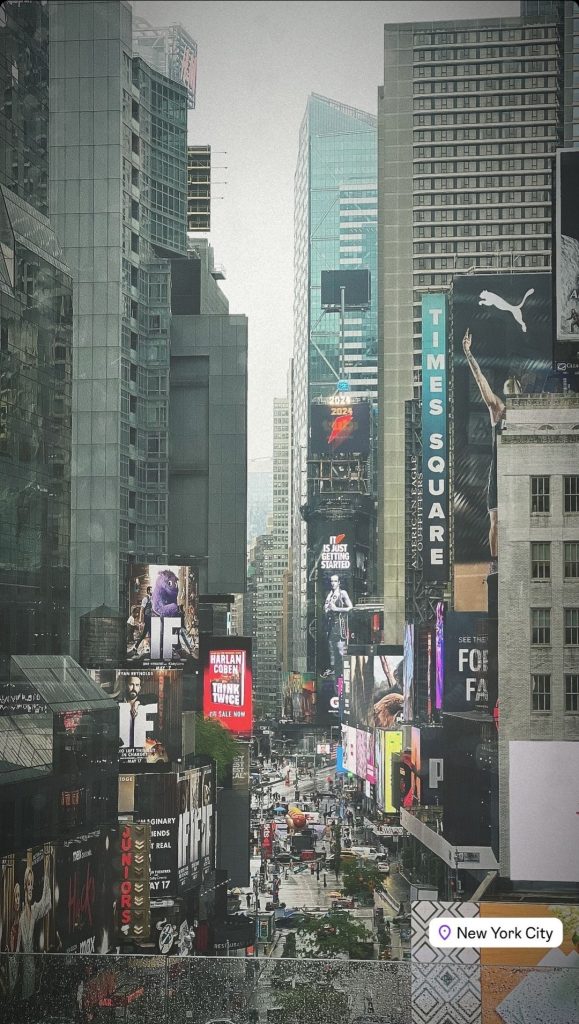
column 408, row 672
column 431, row 765
column 361, row 754
column 349, row 748
column 299, row 698
column 387, row 744
column 435, row 526
column 406, row 773
column 356, row 285
column 150, row 705
column 134, row 878
column 439, row 656
column 340, row 429
column 501, row 348
column 466, row 662
column 162, row 615
column 541, row 773
column 566, row 351
column 228, row 682
column 376, row 687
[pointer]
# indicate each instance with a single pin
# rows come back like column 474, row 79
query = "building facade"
column 469, row 118
column 538, row 638
column 198, row 188
column 334, row 228
column 35, row 357
column 171, row 51
column 118, row 201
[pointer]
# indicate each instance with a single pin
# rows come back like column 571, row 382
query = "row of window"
column 511, row 131
column 481, row 117
column 541, row 692
column 480, row 150
column 505, row 67
column 484, row 166
column 541, row 560
column 541, row 494
column 486, row 35
column 523, row 83
column 456, row 101
column 541, row 627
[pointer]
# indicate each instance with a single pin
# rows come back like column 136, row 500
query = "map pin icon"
column 444, row 931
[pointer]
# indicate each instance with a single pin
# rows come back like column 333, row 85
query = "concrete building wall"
column 541, row 439
column 208, row 448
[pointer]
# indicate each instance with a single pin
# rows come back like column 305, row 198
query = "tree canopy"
column 212, row 740
column 361, row 878
column 335, row 932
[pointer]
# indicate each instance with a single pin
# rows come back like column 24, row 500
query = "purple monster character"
column 165, row 592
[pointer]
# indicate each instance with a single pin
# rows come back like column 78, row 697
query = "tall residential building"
column 170, row 50
column 538, row 649
column 118, row 200
column 35, row 357
column 469, row 118
column 334, row 227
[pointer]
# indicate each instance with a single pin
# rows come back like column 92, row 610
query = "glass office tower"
column 35, row 357
column 335, row 228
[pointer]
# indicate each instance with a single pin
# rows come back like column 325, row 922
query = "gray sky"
column 258, row 62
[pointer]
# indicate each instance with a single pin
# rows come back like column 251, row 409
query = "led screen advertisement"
column 361, row 755
column 387, row 744
column 349, row 748
column 387, row 705
column 150, row 706
column 566, row 353
column 542, row 774
column 408, row 672
column 501, row 348
column 439, row 656
column 162, row 615
column 406, row 783
column 227, row 682
column 299, row 698
column 356, row 285
column 340, row 429
column 466, row 663
column 435, row 532
column 431, row 765
column 335, row 562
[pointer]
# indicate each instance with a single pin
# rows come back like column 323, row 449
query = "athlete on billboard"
column 336, row 608
column 497, row 410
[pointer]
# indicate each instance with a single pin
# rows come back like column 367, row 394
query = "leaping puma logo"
column 490, row 299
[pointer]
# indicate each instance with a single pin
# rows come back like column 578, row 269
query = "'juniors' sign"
column 434, row 439
column 227, row 682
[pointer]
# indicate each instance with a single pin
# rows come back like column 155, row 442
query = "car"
column 287, row 918
column 348, row 855
column 344, row 903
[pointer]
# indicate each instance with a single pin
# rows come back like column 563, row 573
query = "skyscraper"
column 469, row 117
column 118, row 200
column 335, row 227
column 35, row 357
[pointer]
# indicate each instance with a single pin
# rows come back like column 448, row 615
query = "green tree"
column 289, row 948
column 212, row 740
column 335, row 932
column 361, row 878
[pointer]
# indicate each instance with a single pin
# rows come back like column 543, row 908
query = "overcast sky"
column 258, row 62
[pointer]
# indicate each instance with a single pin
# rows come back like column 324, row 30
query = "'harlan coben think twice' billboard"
column 227, row 682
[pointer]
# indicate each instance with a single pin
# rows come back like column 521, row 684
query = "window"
column 572, row 693
column 541, row 693
column 540, row 560
column 572, row 627
column 571, row 559
column 540, row 494
column 571, row 493
column 540, row 625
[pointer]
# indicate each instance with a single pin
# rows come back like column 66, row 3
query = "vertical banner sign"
column 134, row 880
column 434, row 439
column 566, row 346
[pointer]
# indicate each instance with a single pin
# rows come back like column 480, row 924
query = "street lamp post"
column 256, row 894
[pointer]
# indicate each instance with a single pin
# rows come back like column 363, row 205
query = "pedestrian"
column 318, row 870
column 248, row 900
column 325, row 881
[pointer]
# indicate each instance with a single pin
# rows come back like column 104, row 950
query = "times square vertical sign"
column 435, row 530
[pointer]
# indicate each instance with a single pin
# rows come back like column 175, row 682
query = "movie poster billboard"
column 227, row 682
column 196, row 825
column 338, row 429
column 466, row 662
column 435, row 538
column 566, row 348
column 150, row 707
column 501, row 349
column 162, row 615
